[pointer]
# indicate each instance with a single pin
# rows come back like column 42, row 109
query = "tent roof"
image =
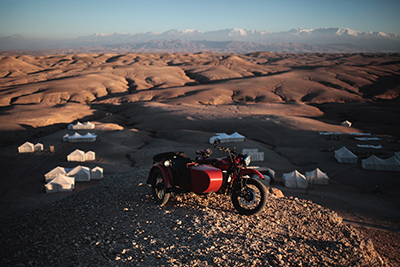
column 77, row 151
column 317, row 173
column 294, row 174
column 344, row 152
column 62, row 179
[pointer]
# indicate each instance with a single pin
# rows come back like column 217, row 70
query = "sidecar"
column 174, row 172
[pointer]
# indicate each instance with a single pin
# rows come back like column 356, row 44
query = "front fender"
column 168, row 181
column 251, row 172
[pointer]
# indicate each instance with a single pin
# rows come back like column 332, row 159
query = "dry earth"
column 143, row 104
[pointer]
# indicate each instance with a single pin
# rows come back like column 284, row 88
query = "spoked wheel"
column 160, row 193
column 251, row 199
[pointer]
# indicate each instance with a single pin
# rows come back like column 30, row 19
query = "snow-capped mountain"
column 372, row 41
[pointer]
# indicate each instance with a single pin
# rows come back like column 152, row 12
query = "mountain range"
column 233, row 40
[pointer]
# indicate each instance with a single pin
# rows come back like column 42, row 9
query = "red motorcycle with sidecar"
column 173, row 172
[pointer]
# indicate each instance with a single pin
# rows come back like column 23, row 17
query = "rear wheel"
column 251, row 198
column 160, row 193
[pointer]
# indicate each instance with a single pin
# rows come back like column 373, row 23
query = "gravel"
column 116, row 223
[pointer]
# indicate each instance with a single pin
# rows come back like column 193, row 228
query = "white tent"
column 397, row 154
column 81, row 173
column 54, row 172
column 346, row 123
column 373, row 163
column 60, row 183
column 295, row 180
column 77, row 155
column 317, row 177
column 78, row 126
column 367, row 138
column 255, row 155
column 222, row 137
column 344, row 155
column 237, row 137
column 97, row 173
column 90, row 155
column 225, row 138
column 392, row 164
column 39, row 147
column 378, row 164
column 26, row 148
column 76, row 137
column 370, row 146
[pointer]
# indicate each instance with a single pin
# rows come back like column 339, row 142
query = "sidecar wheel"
column 160, row 193
column 252, row 199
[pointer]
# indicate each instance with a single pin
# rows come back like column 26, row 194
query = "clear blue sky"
column 74, row 18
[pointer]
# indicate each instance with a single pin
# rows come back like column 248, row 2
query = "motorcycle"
column 173, row 172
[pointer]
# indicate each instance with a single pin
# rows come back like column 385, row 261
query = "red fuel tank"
column 205, row 179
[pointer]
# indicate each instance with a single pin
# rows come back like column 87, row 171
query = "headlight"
column 167, row 163
column 247, row 160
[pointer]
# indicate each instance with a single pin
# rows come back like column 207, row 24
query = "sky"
column 61, row 19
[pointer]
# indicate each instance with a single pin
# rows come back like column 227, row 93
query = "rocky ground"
column 116, row 223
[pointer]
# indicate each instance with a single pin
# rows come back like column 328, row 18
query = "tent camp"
column 76, row 137
column 26, row 148
column 90, row 155
column 317, row 177
column 60, row 183
column 81, row 173
column 344, row 155
column 39, row 147
column 225, row 138
column 378, row 164
column 54, row 172
column 79, row 126
column 295, row 179
column 255, row 155
column 97, row 173
column 346, row 123
column 81, row 156
column 77, row 155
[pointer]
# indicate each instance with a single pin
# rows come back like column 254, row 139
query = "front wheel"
column 160, row 193
column 251, row 198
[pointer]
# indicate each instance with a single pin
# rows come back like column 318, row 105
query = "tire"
column 253, row 199
column 160, row 192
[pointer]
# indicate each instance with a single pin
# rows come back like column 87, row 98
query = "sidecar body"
column 181, row 174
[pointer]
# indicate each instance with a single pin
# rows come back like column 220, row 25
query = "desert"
column 147, row 103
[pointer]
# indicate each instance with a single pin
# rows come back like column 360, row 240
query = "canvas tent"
column 344, row 155
column 96, row 173
column 26, row 148
column 255, row 155
column 76, row 137
column 378, row 164
column 317, row 177
column 346, row 123
column 54, row 172
column 39, row 147
column 367, row 138
column 90, row 155
column 225, row 138
column 81, row 173
column 295, row 180
column 60, row 183
column 79, row 126
column 77, row 155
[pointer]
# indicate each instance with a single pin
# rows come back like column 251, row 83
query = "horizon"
column 73, row 19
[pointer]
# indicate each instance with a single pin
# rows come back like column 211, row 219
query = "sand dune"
column 144, row 104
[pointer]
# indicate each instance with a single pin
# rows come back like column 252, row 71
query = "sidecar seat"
column 169, row 155
column 180, row 164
